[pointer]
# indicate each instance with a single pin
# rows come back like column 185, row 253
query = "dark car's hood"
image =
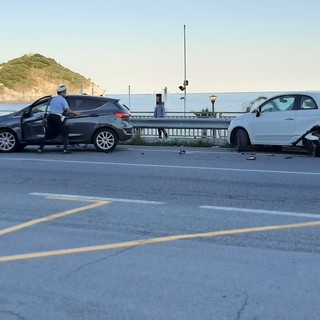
column 5, row 112
column 6, row 116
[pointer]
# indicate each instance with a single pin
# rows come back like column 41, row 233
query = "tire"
column 8, row 141
column 242, row 140
column 105, row 140
column 312, row 147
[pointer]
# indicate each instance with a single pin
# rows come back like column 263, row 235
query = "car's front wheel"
column 105, row 140
column 242, row 140
column 8, row 141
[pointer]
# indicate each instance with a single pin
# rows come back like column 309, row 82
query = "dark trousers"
column 55, row 127
column 160, row 131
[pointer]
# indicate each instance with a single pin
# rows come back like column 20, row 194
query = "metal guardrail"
column 179, row 127
column 180, row 123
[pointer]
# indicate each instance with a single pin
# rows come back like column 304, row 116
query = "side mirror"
column 26, row 113
column 258, row 112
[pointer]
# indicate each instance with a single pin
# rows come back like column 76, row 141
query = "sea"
column 226, row 102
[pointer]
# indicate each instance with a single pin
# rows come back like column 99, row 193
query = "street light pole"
column 185, row 81
column 213, row 100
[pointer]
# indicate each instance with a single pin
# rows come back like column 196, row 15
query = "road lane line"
column 53, row 216
column 143, row 165
column 246, row 210
column 121, row 245
column 84, row 198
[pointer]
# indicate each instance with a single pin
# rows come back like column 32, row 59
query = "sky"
column 231, row 45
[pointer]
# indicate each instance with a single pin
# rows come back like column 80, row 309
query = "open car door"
column 33, row 121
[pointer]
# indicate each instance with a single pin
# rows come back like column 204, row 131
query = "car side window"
column 36, row 109
column 283, row 103
column 307, row 103
column 39, row 108
column 82, row 104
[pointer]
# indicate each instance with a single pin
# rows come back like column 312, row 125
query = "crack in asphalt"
column 245, row 303
column 11, row 313
column 95, row 262
column 115, row 254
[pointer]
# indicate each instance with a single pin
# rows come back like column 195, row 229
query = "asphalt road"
column 155, row 233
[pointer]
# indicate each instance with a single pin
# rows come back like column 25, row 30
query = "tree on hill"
column 34, row 75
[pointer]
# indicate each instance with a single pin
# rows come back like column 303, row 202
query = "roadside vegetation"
column 247, row 107
column 205, row 113
column 170, row 142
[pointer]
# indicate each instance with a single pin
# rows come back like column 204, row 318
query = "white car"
column 283, row 120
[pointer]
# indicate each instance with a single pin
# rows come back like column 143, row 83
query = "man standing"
column 58, row 107
column 160, row 112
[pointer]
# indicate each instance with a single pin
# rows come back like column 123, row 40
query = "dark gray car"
column 103, row 122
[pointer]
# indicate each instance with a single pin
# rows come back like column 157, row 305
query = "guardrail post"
column 204, row 133
column 137, row 132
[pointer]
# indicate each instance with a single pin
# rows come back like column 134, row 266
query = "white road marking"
column 164, row 166
column 281, row 213
column 245, row 210
column 93, row 198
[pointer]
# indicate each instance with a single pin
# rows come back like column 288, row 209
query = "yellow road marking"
column 56, row 215
column 154, row 240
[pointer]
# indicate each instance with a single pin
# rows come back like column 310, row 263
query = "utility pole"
column 185, row 81
column 129, row 88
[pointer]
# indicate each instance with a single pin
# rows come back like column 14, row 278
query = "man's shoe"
column 66, row 151
column 40, row 150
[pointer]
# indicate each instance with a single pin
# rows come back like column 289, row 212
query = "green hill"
column 31, row 76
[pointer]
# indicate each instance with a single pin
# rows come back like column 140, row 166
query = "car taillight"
column 122, row 115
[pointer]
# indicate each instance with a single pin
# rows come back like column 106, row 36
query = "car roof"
column 313, row 94
column 80, row 96
column 87, row 96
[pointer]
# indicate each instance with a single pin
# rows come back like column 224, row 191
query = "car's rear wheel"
column 242, row 140
column 8, row 141
column 105, row 140
column 312, row 147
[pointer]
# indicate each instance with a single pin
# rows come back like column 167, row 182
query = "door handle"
column 289, row 119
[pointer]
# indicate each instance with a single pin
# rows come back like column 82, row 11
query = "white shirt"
column 58, row 104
